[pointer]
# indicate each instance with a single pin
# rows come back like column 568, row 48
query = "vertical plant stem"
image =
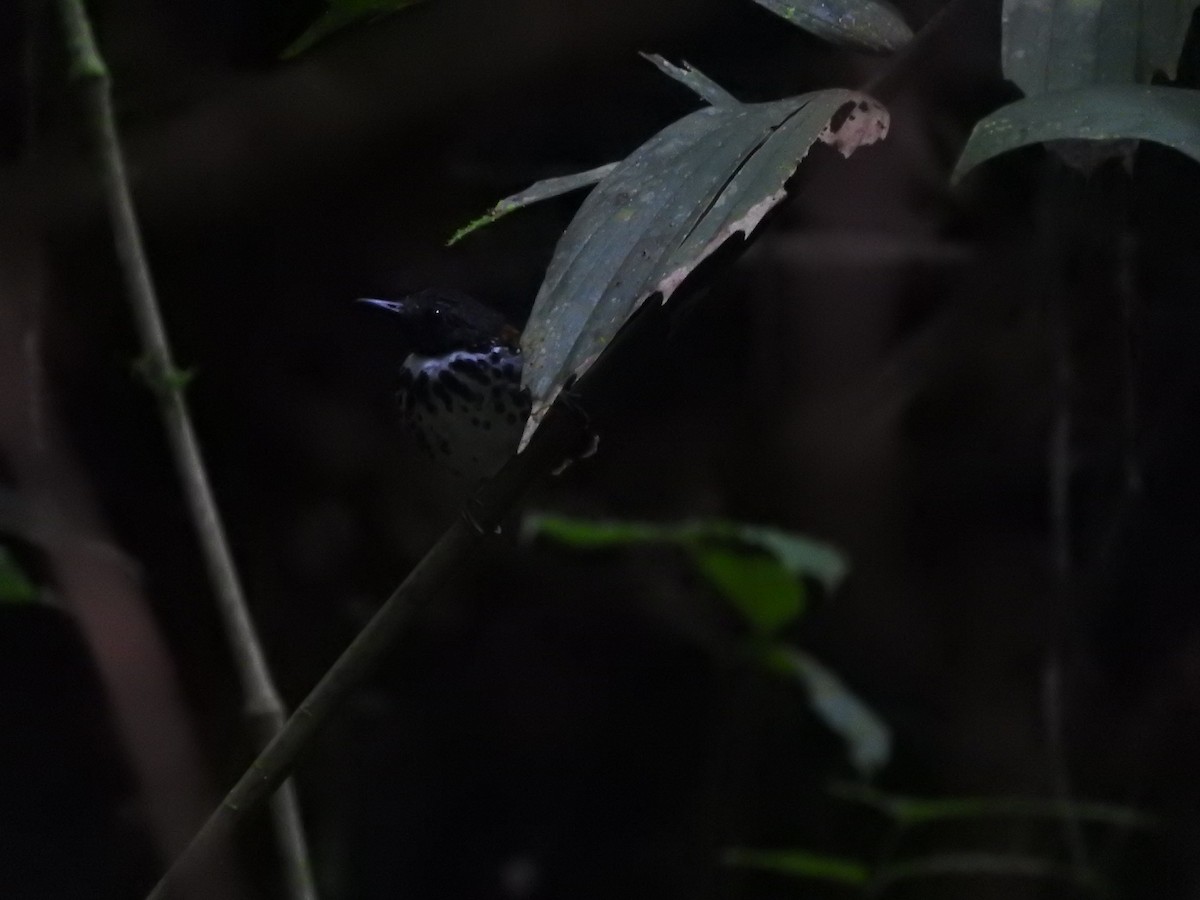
column 263, row 706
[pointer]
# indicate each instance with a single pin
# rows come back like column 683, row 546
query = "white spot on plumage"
column 472, row 420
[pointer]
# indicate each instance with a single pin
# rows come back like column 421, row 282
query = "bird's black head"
column 438, row 321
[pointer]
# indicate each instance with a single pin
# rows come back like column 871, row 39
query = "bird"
column 459, row 387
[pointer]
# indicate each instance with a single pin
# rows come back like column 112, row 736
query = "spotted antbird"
column 460, row 388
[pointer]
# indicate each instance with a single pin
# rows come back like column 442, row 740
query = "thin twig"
column 264, row 708
column 561, row 429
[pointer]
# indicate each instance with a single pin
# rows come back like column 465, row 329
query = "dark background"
column 877, row 370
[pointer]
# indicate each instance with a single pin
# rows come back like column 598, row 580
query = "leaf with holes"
column 664, row 209
column 1168, row 116
column 871, row 25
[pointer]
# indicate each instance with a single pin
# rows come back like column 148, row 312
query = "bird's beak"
column 389, row 305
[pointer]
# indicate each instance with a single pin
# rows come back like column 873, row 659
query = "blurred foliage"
column 760, row 571
column 910, row 811
column 904, row 813
column 802, row 864
column 340, row 14
column 15, row 586
column 867, row 737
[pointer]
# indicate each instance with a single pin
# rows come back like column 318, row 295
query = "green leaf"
column 1059, row 45
column 800, row 555
column 868, row 738
column 340, row 14
column 1168, row 116
column 663, row 210
column 758, row 569
column 764, row 592
column 536, row 192
column 974, row 865
column 911, row 811
column 591, row 534
column 696, row 81
column 161, row 380
column 871, row 25
column 802, row 864
column 15, row 586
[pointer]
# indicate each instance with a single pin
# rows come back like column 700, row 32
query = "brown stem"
column 261, row 697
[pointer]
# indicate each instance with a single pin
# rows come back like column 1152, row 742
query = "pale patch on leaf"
column 665, row 209
column 867, row 123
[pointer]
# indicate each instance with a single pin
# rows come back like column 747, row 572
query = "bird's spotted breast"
column 466, row 408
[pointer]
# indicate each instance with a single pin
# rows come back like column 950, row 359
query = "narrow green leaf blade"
column 911, row 811
column 535, row 193
column 1168, row 116
column 590, row 534
column 868, row 738
column 802, row 864
column 695, row 80
column 799, row 556
column 870, row 25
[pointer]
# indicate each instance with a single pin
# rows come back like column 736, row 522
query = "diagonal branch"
column 263, row 706
column 561, row 431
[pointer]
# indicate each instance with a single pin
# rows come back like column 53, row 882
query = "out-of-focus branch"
column 264, row 709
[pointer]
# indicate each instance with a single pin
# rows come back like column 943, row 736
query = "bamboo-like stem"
column 263, row 706
column 561, row 429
